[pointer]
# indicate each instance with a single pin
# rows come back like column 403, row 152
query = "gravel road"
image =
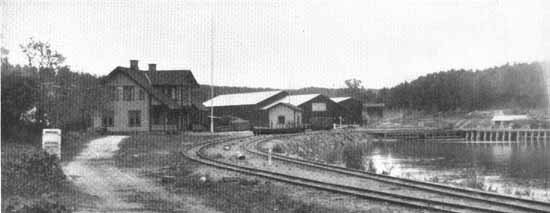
column 122, row 190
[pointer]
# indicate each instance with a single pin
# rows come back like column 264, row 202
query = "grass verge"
column 33, row 181
column 159, row 157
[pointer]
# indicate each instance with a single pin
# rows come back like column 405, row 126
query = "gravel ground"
column 229, row 152
column 122, row 190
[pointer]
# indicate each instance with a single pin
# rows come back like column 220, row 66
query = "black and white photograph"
column 298, row 106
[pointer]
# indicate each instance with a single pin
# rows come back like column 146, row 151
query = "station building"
column 148, row 100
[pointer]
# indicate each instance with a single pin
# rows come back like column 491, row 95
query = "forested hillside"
column 510, row 86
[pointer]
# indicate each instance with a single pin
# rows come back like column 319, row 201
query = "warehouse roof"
column 509, row 117
column 295, row 100
column 237, row 99
column 283, row 104
column 339, row 99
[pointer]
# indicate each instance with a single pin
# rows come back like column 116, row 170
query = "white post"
column 212, row 72
column 269, row 156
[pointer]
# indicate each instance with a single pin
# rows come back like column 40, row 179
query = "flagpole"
column 211, row 72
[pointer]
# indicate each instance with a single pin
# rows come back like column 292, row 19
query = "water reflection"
column 517, row 169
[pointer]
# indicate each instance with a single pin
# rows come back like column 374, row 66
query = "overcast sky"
column 285, row 44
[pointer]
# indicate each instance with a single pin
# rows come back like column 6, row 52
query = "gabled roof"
column 143, row 79
column 339, row 99
column 172, row 78
column 237, row 99
column 374, row 105
column 295, row 100
column 284, row 104
column 510, row 117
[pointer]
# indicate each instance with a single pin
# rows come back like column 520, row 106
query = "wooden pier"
column 465, row 135
column 417, row 134
column 506, row 135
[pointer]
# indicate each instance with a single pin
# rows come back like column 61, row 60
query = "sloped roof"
column 143, row 79
column 374, row 105
column 339, row 99
column 284, row 104
column 172, row 78
column 295, row 100
column 237, row 99
column 510, row 117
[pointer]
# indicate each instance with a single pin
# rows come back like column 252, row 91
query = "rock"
column 167, row 179
column 230, row 179
column 240, row 156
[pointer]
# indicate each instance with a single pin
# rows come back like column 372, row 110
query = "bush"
column 278, row 149
column 353, row 156
column 30, row 172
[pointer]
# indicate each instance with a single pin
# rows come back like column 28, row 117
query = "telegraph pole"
column 211, row 72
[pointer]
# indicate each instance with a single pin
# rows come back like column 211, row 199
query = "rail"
column 196, row 153
column 478, row 195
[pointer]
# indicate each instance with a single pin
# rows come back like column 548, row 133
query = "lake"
column 520, row 170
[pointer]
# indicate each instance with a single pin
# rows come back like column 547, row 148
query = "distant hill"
column 522, row 85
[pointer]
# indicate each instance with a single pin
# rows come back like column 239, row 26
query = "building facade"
column 354, row 108
column 284, row 115
column 147, row 100
column 247, row 106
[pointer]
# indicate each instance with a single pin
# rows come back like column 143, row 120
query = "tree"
column 353, row 83
column 41, row 53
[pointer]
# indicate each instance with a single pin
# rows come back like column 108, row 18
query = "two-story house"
column 148, row 100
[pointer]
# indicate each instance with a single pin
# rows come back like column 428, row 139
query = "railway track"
column 467, row 203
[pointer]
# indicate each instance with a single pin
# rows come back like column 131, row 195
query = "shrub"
column 278, row 149
column 30, row 173
column 353, row 156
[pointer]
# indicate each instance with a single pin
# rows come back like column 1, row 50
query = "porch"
column 165, row 119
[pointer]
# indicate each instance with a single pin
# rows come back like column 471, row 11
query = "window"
column 281, row 119
column 318, row 107
column 172, row 118
column 134, row 118
column 128, row 93
column 107, row 119
column 112, row 93
column 170, row 92
column 141, row 95
column 156, row 116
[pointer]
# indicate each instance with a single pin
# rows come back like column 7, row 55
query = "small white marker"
column 269, row 157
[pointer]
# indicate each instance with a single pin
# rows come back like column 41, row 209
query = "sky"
column 284, row 44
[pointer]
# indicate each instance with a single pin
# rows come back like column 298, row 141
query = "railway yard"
column 248, row 155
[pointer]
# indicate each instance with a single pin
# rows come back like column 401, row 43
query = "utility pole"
column 212, row 72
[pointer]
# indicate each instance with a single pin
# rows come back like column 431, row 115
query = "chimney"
column 134, row 64
column 152, row 67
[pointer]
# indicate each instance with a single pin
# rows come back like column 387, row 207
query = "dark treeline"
column 45, row 93
column 511, row 86
column 33, row 99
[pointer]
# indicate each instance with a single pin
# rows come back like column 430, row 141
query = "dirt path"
column 122, row 190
